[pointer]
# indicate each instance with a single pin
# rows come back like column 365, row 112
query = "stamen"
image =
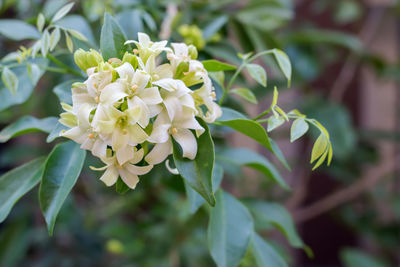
column 174, row 130
column 91, row 136
column 97, row 99
column 135, row 51
column 213, row 95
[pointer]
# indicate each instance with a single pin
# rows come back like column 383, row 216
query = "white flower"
column 127, row 171
column 146, row 47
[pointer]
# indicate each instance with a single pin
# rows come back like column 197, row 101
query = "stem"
column 64, row 66
column 263, row 114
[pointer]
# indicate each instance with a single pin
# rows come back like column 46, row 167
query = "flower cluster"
column 127, row 111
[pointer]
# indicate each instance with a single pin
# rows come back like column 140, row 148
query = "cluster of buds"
column 128, row 110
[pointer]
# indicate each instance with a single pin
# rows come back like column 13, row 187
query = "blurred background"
column 345, row 59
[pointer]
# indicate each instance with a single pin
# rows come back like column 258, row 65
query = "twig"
column 344, row 195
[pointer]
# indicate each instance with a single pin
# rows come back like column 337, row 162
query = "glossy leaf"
column 215, row 65
column 62, row 12
column 270, row 213
column 284, row 63
column 112, row 38
column 10, row 80
column 196, row 200
column 55, row 133
column 246, row 94
column 198, row 172
column 274, row 122
column 18, row 30
column 240, row 123
column 298, row 129
column 63, row 91
column 265, row 254
column 62, row 169
column 258, row 73
column 245, row 157
column 229, row 230
column 27, row 124
column 17, row 182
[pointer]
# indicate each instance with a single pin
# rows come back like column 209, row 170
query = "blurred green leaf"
column 284, row 63
column 298, row 129
column 79, row 24
column 121, row 187
column 131, row 23
column 62, row 12
column 10, row 80
column 245, row 157
column 25, row 125
column 14, row 242
column 63, row 91
column 258, row 73
column 18, row 30
column 229, row 230
column 215, row 65
column 250, row 128
column 55, row 133
column 112, row 38
column 195, row 199
column 61, row 171
column 351, row 257
column 278, row 153
column 41, row 20
column 17, row 182
column 214, row 26
column 198, row 172
column 246, row 94
column 264, row 253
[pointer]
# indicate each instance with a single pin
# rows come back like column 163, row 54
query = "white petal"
column 160, row 133
column 168, row 84
column 119, row 139
column 159, row 153
column 138, row 170
column 110, row 176
column 76, row 134
column 125, row 71
column 164, row 71
column 154, row 110
column 137, row 156
column 124, row 154
column 171, row 170
column 112, row 93
column 140, row 115
column 173, row 106
column 188, row 122
column 188, row 143
column 129, row 179
column 99, row 148
column 136, row 134
column 140, row 79
column 180, row 49
column 144, row 39
column 151, row 96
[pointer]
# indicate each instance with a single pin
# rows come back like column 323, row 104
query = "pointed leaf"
column 45, row 43
column 298, row 129
column 62, row 169
column 240, row 123
column 284, row 63
column 246, row 94
column 112, row 38
column 18, row 30
column 215, row 65
column 229, row 230
column 265, row 254
column 40, row 22
column 10, row 80
column 198, row 172
column 68, row 40
column 17, row 182
column 25, row 125
column 258, row 73
column 54, row 38
column 319, row 147
column 55, row 133
column 245, row 157
column 274, row 122
column 62, row 12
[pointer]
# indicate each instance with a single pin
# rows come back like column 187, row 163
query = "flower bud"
column 193, row 52
column 115, row 62
column 80, row 59
column 86, row 60
column 93, row 58
column 131, row 59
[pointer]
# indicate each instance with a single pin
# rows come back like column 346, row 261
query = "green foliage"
column 353, row 257
column 245, row 94
column 264, row 254
column 258, row 73
column 112, row 38
column 229, row 231
column 17, row 30
column 198, row 172
column 17, row 182
column 215, row 65
column 61, row 170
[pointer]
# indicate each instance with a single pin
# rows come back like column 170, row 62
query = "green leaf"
column 214, row 26
column 17, row 182
column 196, row 200
column 131, row 22
column 18, row 30
column 40, row 22
column 258, row 73
column 298, row 129
column 240, row 123
column 77, row 35
column 278, row 153
column 10, row 80
column 198, row 172
column 121, row 187
column 229, row 230
column 54, row 38
column 68, row 40
column 274, row 122
column 62, row 12
column 112, row 38
column 215, row 65
column 45, row 44
column 25, row 125
column 63, row 91
column 78, row 23
column 265, row 254
column 33, row 72
column 246, row 94
column 284, row 63
column 62, row 169
column 270, row 213
column 351, row 257
column 245, row 157
column 55, row 133
column 319, row 147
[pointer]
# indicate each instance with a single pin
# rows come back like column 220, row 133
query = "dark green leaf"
column 258, row 73
column 240, row 123
column 197, row 200
column 215, row 65
column 112, row 38
column 229, row 230
column 27, row 124
column 265, row 254
column 62, row 169
column 245, row 157
column 198, row 172
column 18, row 30
column 17, row 182
column 276, row 215
column 55, row 132
column 121, row 187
